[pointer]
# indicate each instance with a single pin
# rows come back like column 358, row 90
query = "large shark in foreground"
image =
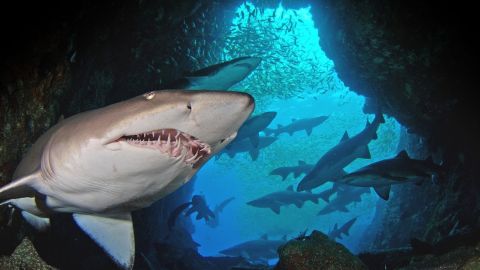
column 285, row 197
column 102, row 164
column 306, row 124
column 260, row 250
column 218, row 77
column 398, row 170
column 330, row 166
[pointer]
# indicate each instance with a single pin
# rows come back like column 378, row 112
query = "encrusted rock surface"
column 314, row 252
column 24, row 257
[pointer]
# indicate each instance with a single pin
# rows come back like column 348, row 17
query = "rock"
column 24, row 257
column 316, row 251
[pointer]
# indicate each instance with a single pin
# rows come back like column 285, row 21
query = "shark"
column 398, row 170
column 243, row 146
column 285, row 197
column 255, row 124
column 298, row 170
column 219, row 76
column 337, row 232
column 345, row 196
column 214, row 222
column 330, row 166
column 259, row 250
column 197, row 204
column 200, row 206
column 306, row 124
column 101, row 165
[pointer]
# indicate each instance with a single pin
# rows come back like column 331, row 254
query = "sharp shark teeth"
column 172, row 142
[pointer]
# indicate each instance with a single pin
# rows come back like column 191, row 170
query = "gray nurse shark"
column 102, row 164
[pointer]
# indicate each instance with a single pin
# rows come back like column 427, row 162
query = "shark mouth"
column 174, row 143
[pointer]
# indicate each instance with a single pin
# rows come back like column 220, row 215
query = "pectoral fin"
column 113, row 233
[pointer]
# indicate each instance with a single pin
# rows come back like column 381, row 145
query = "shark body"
column 245, row 146
column 253, row 126
column 102, row 164
column 214, row 222
column 345, row 229
column 217, row 77
column 301, row 168
column 398, row 170
column 345, row 196
column 260, row 250
column 285, row 197
column 330, row 166
column 306, row 124
column 199, row 205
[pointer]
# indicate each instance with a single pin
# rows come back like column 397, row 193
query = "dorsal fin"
column 290, row 188
column 301, row 162
column 345, row 136
column 264, row 237
column 335, row 227
column 402, row 155
column 294, row 119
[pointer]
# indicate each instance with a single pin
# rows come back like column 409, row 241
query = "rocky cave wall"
column 60, row 60
column 416, row 60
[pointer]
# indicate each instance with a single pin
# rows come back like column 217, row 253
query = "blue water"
column 308, row 88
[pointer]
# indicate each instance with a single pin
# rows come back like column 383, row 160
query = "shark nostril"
column 189, row 106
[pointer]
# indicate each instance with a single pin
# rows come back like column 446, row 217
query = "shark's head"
column 185, row 125
column 165, row 135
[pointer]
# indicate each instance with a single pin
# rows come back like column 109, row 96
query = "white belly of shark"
column 102, row 164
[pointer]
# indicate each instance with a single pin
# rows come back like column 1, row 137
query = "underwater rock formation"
column 24, row 257
column 316, row 251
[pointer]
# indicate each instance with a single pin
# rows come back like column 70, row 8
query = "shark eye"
column 149, row 95
column 189, row 106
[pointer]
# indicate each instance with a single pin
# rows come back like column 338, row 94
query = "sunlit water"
column 298, row 82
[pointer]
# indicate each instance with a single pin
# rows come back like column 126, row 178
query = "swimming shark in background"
column 337, row 232
column 302, row 167
column 256, row 251
column 345, row 196
column 330, row 166
column 253, row 126
column 217, row 77
column 398, row 170
column 244, row 146
column 102, row 164
column 285, row 197
column 214, row 222
column 306, row 124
